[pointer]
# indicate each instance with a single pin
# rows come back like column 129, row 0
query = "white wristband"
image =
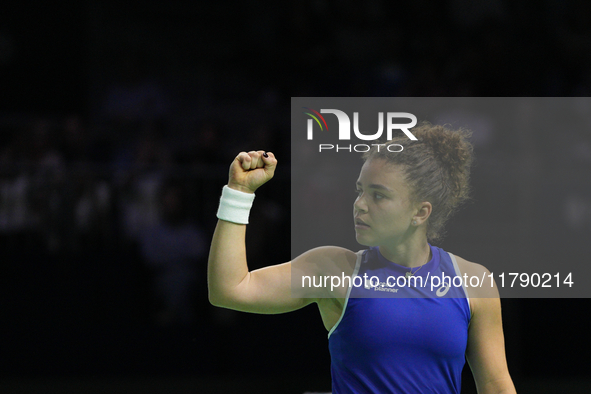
column 235, row 205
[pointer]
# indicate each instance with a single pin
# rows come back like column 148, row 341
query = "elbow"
column 215, row 299
column 227, row 301
column 220, row 300
column 225, row 296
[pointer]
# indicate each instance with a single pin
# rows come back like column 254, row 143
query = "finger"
column 261, row 162
column 245, row 160
column 255, row 158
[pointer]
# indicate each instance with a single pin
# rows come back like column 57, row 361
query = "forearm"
column 227, row 266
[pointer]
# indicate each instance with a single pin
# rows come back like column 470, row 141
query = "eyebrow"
column 376, row 186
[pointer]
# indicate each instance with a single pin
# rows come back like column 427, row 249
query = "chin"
column 363, row 241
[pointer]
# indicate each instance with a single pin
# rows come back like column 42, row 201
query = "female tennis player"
column 382, row 338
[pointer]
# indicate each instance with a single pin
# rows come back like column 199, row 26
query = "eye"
column 378, row 196
column 358, row 192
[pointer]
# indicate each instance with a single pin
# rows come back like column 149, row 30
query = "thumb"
column 270, row 162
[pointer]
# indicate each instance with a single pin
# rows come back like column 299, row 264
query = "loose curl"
column 436, row 168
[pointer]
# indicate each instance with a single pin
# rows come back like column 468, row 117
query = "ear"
column 423, row 211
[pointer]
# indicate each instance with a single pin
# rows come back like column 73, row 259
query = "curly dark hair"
column 436, row 167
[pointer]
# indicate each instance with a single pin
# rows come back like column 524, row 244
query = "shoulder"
column 479, row 284
column 470, row 268
column 324, row 262
column 336, row 255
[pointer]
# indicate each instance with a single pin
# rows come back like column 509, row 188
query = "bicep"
column 486, row 348
column 486, row 343
column 485, row 351
column 268, row 290
column 288, row 286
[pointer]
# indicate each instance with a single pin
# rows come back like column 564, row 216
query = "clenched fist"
column 250, row 170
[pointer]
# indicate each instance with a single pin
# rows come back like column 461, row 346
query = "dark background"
column 117, row 126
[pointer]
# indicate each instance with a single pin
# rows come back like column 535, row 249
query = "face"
column 383, row 211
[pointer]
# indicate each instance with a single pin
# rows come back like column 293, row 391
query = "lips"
column 360, row 223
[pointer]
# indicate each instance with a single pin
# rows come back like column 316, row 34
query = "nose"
column 360, row 205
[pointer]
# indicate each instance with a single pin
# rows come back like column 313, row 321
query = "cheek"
column 392, row 215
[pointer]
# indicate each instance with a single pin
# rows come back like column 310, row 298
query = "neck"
column 409, row 254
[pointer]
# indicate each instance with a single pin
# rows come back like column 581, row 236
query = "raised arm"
column 230, row 284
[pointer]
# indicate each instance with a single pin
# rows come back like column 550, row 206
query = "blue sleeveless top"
column 386, row 342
